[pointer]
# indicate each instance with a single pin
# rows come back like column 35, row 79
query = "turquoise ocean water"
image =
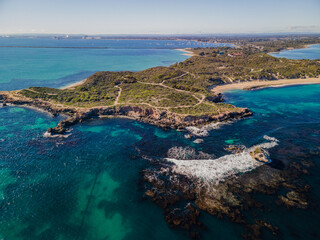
column 88, row 186
column 57, row 63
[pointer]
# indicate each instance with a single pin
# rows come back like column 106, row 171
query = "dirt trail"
column 119, row 95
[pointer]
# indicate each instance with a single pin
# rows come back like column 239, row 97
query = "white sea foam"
column 187, row 153
column 270, row 138
column 49, row 135
column 198, row 140
column 204, row 131
column 216, row 170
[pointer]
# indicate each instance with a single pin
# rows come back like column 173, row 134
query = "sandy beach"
column 264, row 84
column 186, row 51
column 74, row 84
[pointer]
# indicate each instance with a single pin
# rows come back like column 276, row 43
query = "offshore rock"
column 260, row 155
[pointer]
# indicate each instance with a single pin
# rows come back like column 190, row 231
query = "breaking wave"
column 188, row 153
column 204, row 131
column 216, row 170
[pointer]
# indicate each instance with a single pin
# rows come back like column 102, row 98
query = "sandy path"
column 262, row 84
column 118, row 97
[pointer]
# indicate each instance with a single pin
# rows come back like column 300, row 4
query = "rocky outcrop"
column 63, row 126
column 217, row 98
column 260, row 155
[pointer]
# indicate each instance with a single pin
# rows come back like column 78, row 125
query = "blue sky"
column 159, row 17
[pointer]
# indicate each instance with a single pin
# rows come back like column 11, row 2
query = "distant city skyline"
column 159, row 17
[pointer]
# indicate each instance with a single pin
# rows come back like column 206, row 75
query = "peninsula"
column 181, row 95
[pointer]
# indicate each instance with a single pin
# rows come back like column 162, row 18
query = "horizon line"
column 163, row 34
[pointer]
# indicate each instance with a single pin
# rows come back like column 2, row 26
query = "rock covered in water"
column 294, row 199
column 185, row 218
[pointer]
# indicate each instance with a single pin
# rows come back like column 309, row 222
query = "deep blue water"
column 59, row 62
column 87, row 186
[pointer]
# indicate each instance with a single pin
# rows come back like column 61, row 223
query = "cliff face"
column 164, row 119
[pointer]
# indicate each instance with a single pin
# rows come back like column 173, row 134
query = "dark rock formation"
column 217, row 98
column 294, row 199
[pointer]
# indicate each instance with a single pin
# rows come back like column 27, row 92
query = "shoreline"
column 72, row 85
column 187, row 51
column 288, row 49
column 251, row 85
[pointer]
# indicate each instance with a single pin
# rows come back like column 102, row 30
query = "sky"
column 159, row 17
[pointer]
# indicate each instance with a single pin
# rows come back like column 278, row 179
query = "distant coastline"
column 292, row 48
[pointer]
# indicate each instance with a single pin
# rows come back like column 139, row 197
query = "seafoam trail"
column 216, row 170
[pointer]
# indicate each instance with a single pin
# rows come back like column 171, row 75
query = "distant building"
column 235, row 54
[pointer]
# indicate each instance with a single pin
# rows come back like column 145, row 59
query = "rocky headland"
column 161, row 118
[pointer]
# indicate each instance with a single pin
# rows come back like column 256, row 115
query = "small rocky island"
column 170, row 97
